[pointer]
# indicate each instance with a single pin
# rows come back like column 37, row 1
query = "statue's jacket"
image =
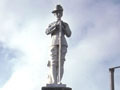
column 53, row 29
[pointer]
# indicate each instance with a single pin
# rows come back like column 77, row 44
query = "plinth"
column 56, row 88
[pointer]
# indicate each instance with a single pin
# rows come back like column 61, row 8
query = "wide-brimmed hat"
column 57, row 9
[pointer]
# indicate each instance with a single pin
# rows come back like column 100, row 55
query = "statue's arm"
column 67, row 30
column 51, row 28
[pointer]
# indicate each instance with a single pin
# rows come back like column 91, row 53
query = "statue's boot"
column 61, row 72
column 54, row 74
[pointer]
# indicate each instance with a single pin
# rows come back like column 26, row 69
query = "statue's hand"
column 57, row 23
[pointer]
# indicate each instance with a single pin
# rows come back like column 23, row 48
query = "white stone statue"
column 58, row 30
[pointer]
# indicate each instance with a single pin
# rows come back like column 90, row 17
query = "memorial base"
column 56, row 88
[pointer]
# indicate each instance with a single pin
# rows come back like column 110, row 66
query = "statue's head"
column 58, row 11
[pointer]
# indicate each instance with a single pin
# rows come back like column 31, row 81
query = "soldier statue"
column 54, row 30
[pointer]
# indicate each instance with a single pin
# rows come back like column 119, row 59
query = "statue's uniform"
column 53, row 29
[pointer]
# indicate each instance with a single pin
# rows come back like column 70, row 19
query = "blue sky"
column 93, row 47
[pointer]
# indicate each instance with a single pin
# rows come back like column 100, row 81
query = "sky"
column 93, row 47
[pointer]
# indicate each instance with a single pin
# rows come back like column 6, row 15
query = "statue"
column 58, row 31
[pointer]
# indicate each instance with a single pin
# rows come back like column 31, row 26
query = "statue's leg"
column 63, row 53
column 54, row 57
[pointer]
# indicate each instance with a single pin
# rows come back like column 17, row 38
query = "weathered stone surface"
column 56, row 88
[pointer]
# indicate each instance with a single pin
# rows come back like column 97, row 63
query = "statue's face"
column 59, row 14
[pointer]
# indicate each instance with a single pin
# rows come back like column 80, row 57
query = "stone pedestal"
column 56, row 88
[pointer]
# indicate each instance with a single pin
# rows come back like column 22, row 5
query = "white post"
column 59, row 57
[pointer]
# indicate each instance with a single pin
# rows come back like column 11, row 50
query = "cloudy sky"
column 94, row 46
